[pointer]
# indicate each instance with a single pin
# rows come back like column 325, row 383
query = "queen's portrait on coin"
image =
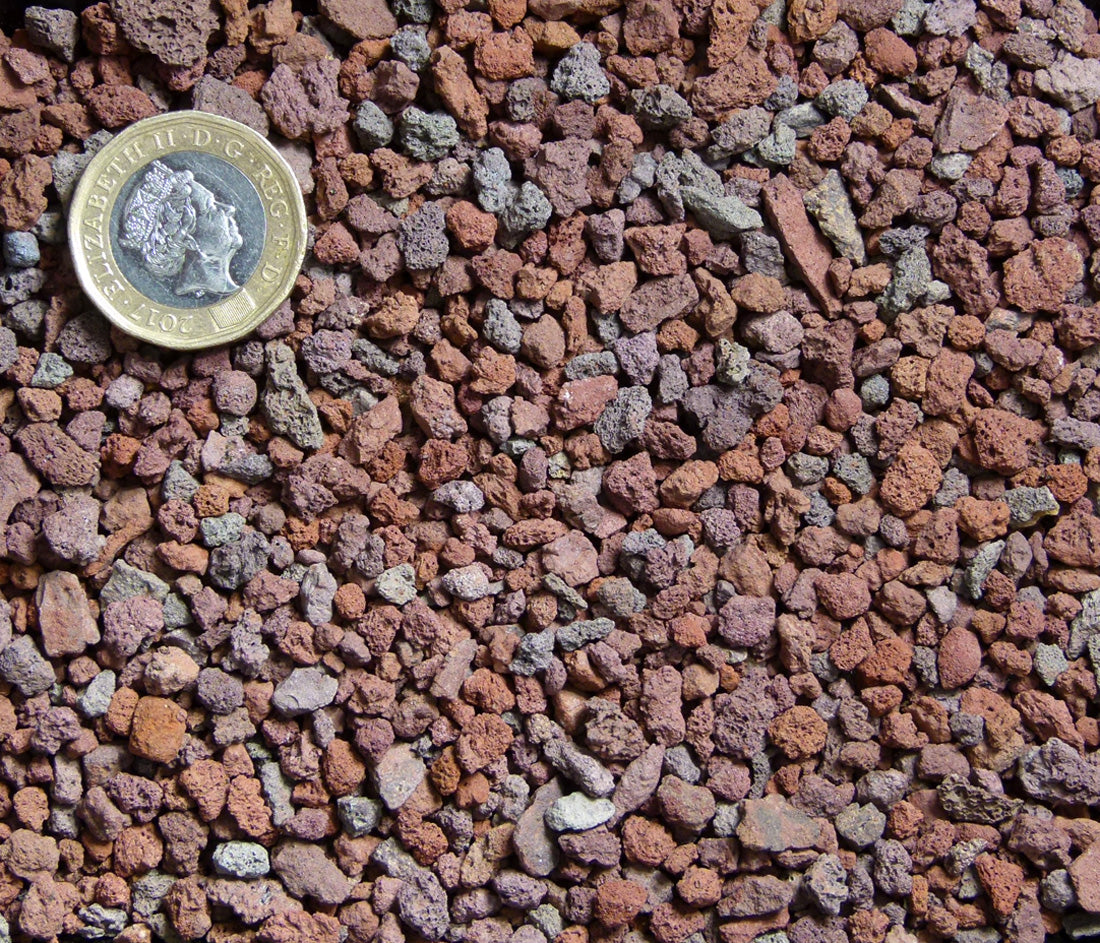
column 181, row 233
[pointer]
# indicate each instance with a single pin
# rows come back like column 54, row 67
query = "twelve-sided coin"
column 187, row 230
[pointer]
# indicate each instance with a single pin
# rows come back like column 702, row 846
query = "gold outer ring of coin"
column 170, row 310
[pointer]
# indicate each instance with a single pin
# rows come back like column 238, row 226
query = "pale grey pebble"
column 820, row 512
column 519, row 890
column 778, row 148
column 968, row 730
column 980, row 566
column 955, row 485
column 285, row 402
column 20, row 249
column 127, row 581
column 547, row 918
column 860, row 825
column 621, row 597
column 9, row 352
column 679, row 763
column 468, row 583
column 585, row 366
column 826, row 882
column 241, row 859
column 1027, row 505
column 178, row 483
column 410, row 45
column 462, row 497
column 1049, row 662
column 844, row 99
column 580, row 74
column 638, row 357
column 576, row 812
column 422, row 904
column 1057, row 891
column 67, row 169
column 885, row 788
column 874, row 392
column 807, row 469
column 51, row 372
column 22, row 665
column 581, row 633
column 373, row 126
column 17, row 285
column 26, row 317
column 358, row 815
column 527, row 210
column 50, row 228
column 568, row 759
column 235, row 563
column 500, row 327
column 1075, row 432
column 397, row 584
column 316, row 594
column 492, row 177
column 724, row 217
column 277, row 791
column 426, row 136
column 149, row 890
column 893, row 868
column 742, row 131
column 422, row 238
column 222, row 529
column 533, row 654
column 852, row 469
column 96, row 697
column 623, row 419
column 659, row 107
column 101, row 922
column 304, row 691
column 219, row 692
column 57, row 31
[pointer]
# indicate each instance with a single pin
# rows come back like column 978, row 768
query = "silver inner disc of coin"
column 188, row 229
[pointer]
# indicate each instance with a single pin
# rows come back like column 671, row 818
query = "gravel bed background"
column 665, row 509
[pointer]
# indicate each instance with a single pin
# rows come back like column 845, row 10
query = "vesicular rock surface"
column 665, row 507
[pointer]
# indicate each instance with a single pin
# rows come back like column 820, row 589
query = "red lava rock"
column 543, row 479
column 158, row 729
column 1084, row 872
column 116, row 105
column 968, row 121
column 911, row 480
column 799, row 732
column 843, row 595
column 22, row 192
column 1001, row 440
column 64, row 616
column 56, row 456
column 959, row 658
column 618, row 902
column 1075, row 540
column 805, row 246
column 747, row 621
column 362, row 19
column 1038, row 278
column 741, row 83
column 484, row 739
column 176, row 34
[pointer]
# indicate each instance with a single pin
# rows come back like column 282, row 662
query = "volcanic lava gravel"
column 663, row 511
